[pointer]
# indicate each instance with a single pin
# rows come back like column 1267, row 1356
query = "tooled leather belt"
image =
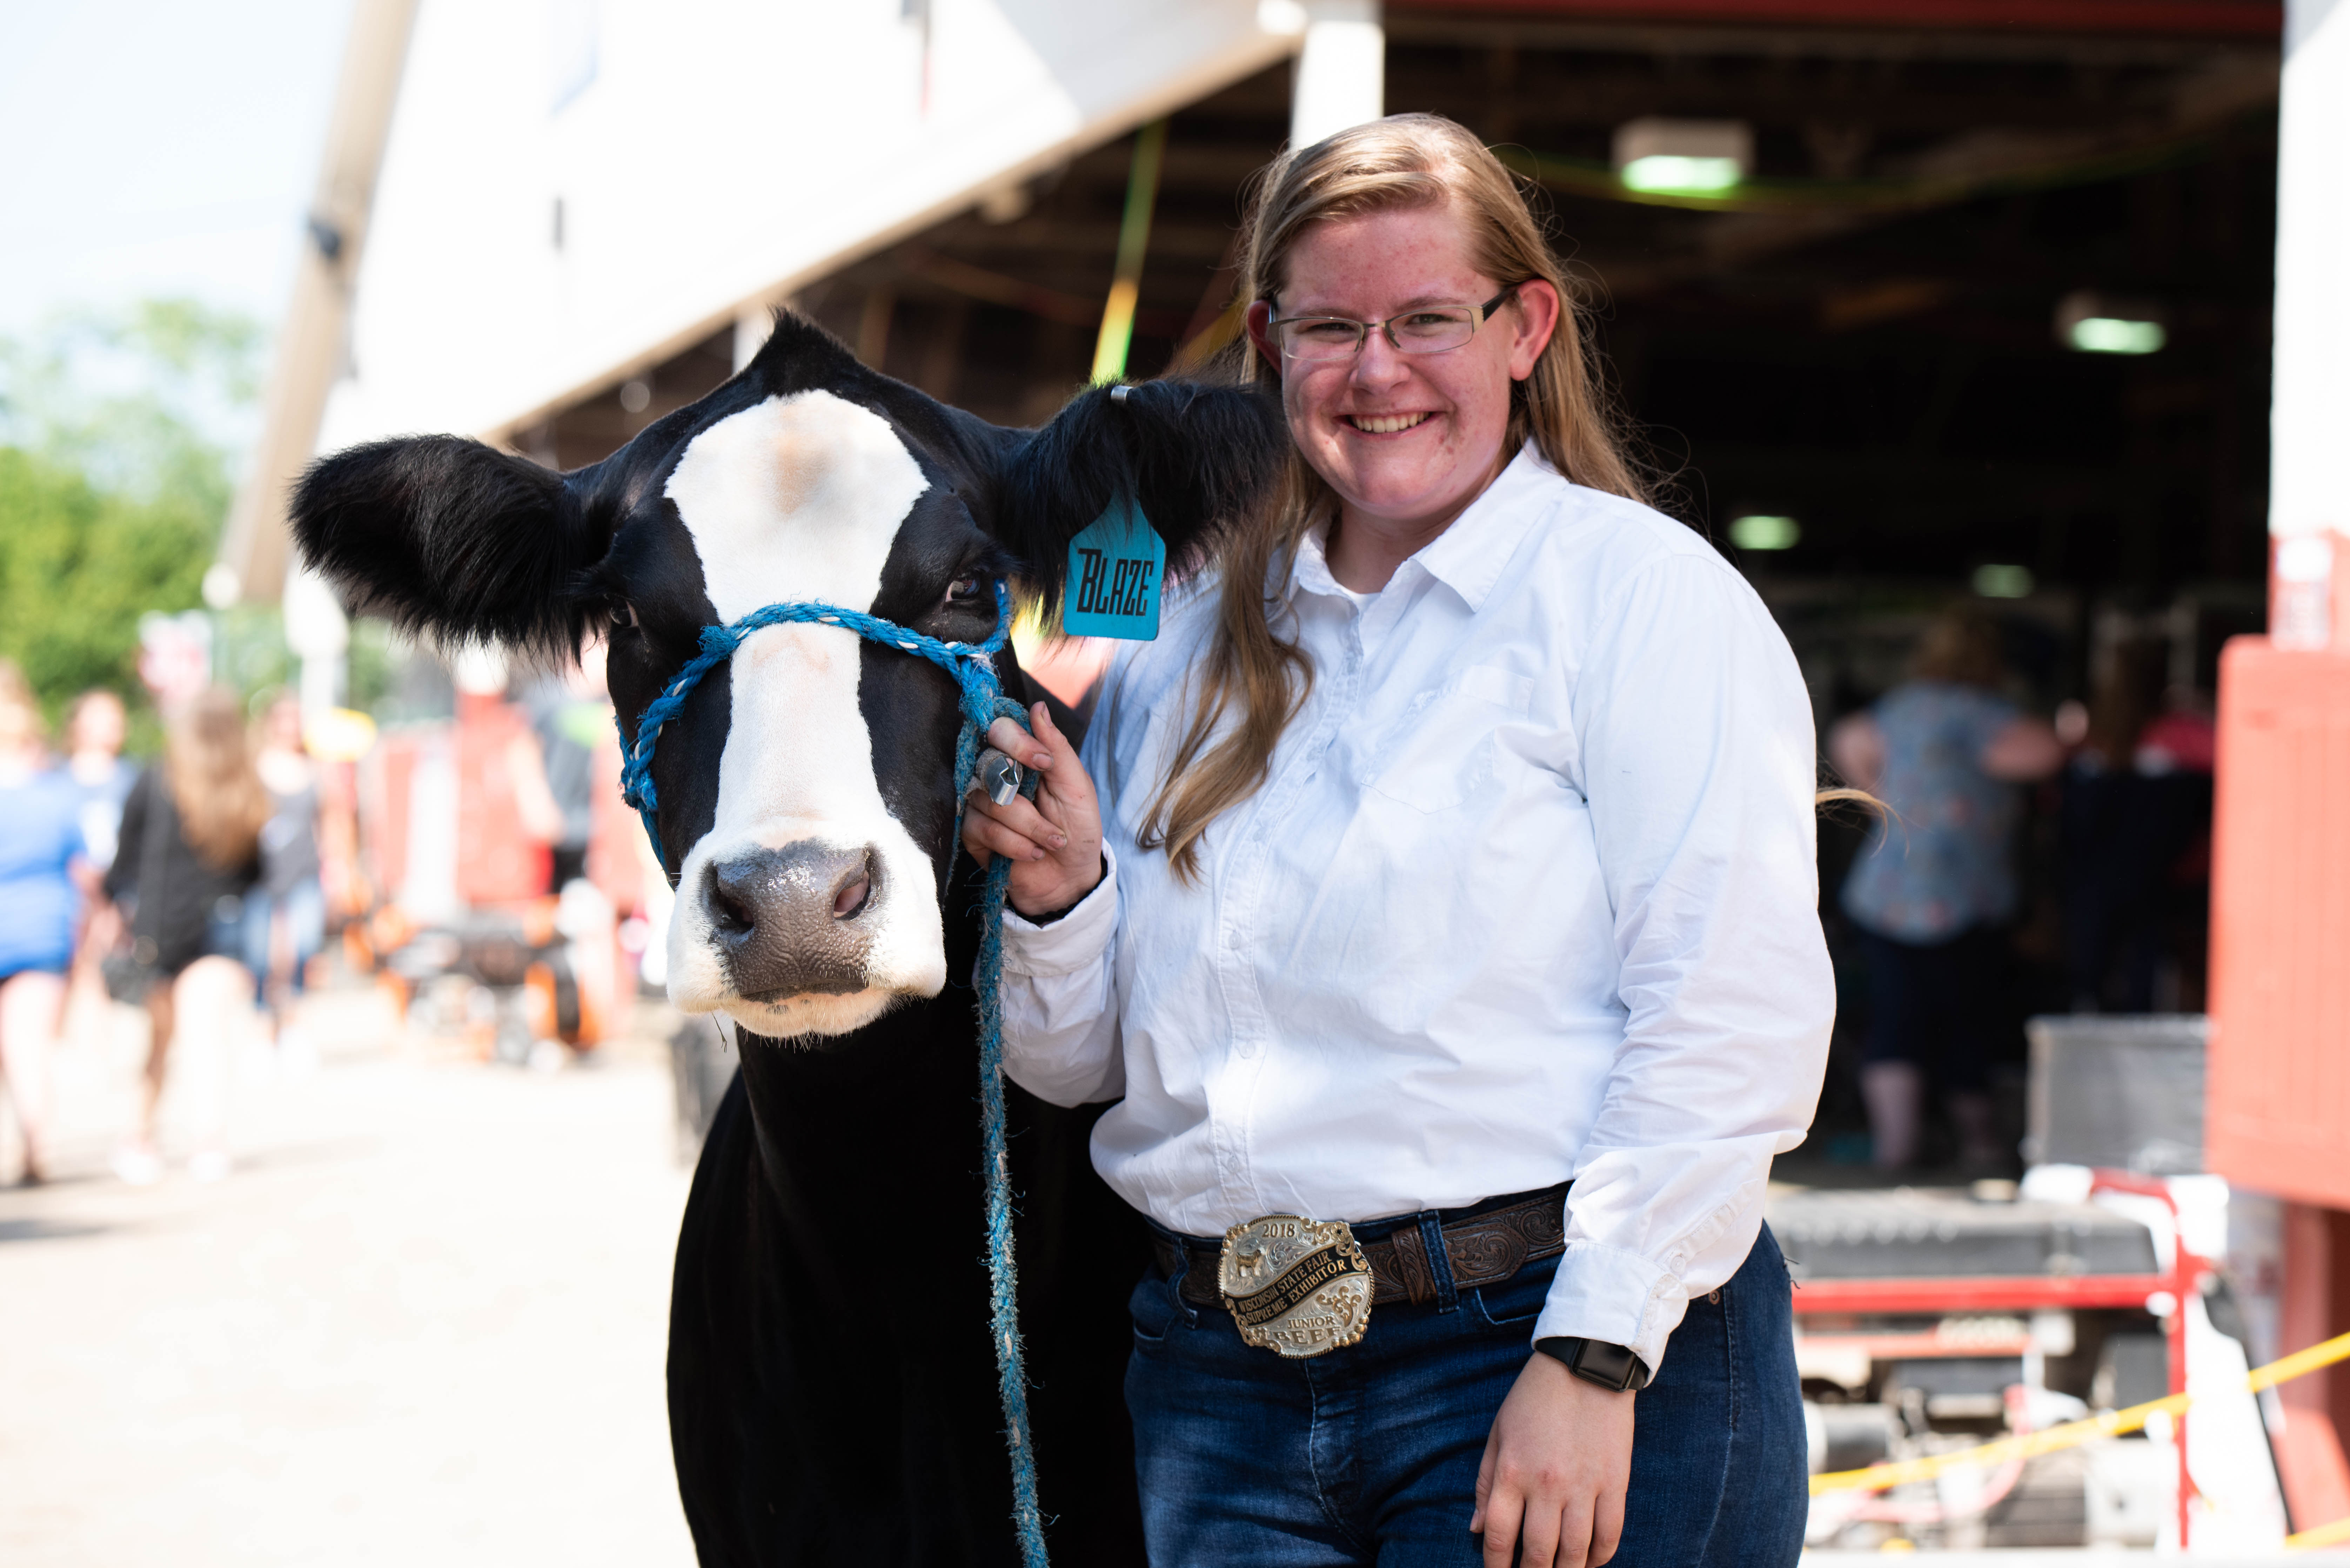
column 1483, row 1250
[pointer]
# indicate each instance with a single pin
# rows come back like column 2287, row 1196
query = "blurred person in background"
column 96, row 729
column 40, row 851
column 285, row 913
column 191, row 851
column 2134, row 826
column 571, row 719
column 1935, row 885
column 571, row 716
column 95, row 732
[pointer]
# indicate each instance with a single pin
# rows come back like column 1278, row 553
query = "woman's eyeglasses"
column 1429, row 329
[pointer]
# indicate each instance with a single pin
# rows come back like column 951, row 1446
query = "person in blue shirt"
column 1936, row 883
column 40, row 844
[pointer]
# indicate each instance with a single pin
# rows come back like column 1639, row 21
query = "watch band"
column 1596, row 1361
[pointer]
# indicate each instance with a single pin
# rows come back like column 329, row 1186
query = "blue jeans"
column 1370, row 1455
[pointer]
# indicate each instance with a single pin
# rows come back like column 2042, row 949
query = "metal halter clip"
column 1001, row 779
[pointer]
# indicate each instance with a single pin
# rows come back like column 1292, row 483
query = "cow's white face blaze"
column 799, row 498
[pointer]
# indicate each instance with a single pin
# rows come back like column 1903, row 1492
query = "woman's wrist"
column 1048, row 916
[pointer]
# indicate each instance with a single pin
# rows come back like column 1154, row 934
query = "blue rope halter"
column 972, row 665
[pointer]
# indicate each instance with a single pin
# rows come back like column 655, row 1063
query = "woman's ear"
column 1533, row 319
column 1198, row 458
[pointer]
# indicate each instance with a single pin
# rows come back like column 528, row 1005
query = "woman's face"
column 1406, row 438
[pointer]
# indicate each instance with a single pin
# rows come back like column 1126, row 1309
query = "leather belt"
column 1483, row 1248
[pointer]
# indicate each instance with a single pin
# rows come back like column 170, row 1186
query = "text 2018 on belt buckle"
column 1294, row 1286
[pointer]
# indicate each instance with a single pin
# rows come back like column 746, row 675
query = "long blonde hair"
column 1405, row 160
column 208, row 768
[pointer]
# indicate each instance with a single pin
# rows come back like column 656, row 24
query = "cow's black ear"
column 447, row 536
column 1200, row 458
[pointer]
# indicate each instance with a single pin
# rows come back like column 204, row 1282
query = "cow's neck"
column 877, row 1136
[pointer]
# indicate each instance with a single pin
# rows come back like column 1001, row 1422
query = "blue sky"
column 158, row 147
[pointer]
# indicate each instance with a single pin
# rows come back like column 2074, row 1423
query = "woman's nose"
column 1377, row 363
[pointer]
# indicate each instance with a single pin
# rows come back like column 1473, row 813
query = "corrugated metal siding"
column 2279, row 1112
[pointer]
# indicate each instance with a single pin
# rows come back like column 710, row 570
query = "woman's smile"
column 1386, row 424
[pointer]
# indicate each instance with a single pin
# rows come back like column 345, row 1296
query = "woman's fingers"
column 1606, row 1528
column 1056, row 745
column 1021, row 816
column 1006, row 736
column 1504, row 1508
column 1484, row 1481
column 984, row 833
column 1542, row 1544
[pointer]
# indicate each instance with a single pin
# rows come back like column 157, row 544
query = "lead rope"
column 972, row 665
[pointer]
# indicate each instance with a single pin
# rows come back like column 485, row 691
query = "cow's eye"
column 964, row 590
column 624, row 616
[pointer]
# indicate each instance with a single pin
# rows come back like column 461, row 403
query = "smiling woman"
column 1413, row 205
column 1446, row 918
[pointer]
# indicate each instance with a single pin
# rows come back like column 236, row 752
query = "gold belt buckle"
column 1296, row 1286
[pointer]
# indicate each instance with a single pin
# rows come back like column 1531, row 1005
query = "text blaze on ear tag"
column 1114, row 567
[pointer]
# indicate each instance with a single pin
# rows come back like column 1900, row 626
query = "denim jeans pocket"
column 1517, row 1300
column 1153, row 1308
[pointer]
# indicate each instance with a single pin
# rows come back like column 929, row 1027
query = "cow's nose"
column 786, row 921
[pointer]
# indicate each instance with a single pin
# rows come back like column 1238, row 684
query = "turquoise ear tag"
column 1114, row 567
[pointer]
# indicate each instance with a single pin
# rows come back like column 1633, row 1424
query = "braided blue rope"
column 972, row 665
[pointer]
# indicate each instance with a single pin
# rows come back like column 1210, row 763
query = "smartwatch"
column 1596, row 1361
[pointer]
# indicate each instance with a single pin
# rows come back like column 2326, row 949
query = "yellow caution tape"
column 1877, row 1478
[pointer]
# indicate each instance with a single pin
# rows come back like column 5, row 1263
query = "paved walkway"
column 422, row 1322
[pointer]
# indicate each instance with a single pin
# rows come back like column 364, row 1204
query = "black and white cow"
column 832, row 1386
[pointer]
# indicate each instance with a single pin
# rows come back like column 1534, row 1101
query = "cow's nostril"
column 851, row 899
column 728, row 913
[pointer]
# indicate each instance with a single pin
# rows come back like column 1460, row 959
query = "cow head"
column 806, row 789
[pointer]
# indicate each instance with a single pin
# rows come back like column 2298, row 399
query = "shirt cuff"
column 1074, row 942
column 1615, row 1297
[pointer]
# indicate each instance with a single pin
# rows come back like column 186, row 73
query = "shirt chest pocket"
column 1443, row 749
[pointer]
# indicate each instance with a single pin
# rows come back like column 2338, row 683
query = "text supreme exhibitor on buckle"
column 1294, row 1286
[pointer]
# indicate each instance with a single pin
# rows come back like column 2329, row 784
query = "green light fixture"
column 1684, row 157
column 2003, row 582
column 2090, row 322
column 1764, row 531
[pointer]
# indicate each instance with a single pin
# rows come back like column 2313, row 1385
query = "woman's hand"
column 1055, row 842
column 1554, row 1471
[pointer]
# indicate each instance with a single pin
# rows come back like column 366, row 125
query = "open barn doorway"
column 1860, row 369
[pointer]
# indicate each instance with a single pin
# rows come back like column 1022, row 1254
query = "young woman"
column 190, row 852
column 40, row 848
column 1444, row 870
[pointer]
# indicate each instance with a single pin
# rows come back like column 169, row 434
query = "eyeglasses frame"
column 1481, row 313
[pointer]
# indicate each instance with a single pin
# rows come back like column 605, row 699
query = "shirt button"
column 1248, row 1048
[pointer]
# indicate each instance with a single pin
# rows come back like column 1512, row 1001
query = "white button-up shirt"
column 1529, row 894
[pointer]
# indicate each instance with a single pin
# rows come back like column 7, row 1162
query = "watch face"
column 1612, row 1364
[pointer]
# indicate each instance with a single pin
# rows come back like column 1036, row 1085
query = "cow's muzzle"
column 791, row 921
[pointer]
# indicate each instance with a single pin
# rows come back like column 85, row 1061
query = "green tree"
column 79, row 565
column 116, row 439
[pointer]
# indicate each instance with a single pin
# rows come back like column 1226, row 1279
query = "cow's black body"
column 832, row 1382
column 832, row 1390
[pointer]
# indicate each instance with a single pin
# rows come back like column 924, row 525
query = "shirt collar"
column 1470, row 555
